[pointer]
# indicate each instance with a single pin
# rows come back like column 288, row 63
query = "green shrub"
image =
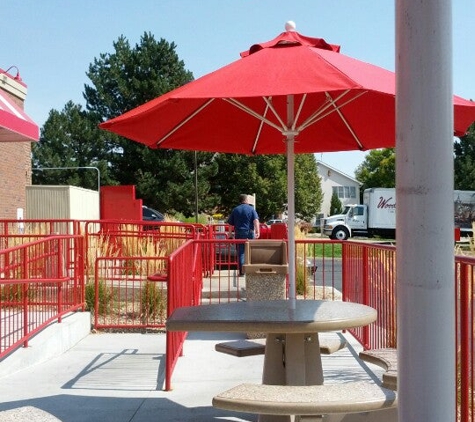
column 105, row 297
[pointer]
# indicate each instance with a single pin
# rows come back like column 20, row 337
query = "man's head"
column 243, row 198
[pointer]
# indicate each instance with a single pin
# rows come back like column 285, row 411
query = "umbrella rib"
column 256, row 140
column 318, row 114
column 297, row 115
column 184, row 122
column 337, row 109
column 268, row 101
column 316, row 117
column 253, row 113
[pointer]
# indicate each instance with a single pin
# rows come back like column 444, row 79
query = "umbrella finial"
column 290, row 26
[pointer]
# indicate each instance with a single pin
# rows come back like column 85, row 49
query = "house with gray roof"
column 333, row 180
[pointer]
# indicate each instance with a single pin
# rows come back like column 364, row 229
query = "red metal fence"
column 184, row 289
column 369, row 274
column 128, row 292
column 465, row 337
column 185, row 265
column 40, row 282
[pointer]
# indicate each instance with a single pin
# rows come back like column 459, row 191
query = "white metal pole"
column 425, row 227
column 291, row 194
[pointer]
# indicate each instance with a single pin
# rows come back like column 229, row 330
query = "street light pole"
column 196, row 188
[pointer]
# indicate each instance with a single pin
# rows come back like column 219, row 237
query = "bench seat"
column 241, row 348
column 386, row 358
column 351, row 397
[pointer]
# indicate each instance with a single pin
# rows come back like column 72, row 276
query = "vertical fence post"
column 465, row 291
column 59, row 273
column 365, row 293
column 344, row 269
column 24, row 253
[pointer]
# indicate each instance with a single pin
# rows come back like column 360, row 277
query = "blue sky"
column 53, row 42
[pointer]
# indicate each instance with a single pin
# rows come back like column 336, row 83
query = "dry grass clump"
column 133, row 254
column 300, row 264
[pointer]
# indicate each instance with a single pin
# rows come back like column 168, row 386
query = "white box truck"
column 377, row 215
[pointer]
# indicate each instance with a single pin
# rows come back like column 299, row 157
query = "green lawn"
column 324, row 250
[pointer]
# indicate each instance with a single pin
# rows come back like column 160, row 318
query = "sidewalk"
column 120, row 378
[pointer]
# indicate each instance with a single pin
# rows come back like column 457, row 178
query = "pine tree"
column 335, row 205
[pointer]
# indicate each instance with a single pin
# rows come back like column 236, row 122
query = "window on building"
column 345, row 191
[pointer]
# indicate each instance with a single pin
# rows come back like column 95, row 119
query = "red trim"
column 15, row 124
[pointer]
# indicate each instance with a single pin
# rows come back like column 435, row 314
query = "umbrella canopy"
column 340, row 104
column 293, row 94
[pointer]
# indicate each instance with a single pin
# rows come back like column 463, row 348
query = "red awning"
column 15, row 125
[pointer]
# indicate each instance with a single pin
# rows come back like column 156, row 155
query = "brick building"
column 17, row 131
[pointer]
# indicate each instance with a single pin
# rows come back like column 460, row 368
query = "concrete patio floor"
column 119, row 378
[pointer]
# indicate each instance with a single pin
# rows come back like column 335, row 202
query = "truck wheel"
column 340, row 233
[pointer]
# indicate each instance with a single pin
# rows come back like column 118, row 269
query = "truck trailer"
column 377, row 215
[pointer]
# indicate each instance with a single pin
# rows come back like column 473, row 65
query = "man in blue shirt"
column 245, row 221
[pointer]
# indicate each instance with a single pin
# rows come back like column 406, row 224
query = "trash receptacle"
column 266, row 267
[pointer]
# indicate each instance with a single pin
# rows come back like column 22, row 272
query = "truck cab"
column 342, row 226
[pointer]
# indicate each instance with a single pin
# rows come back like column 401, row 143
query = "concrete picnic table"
column 292, row 353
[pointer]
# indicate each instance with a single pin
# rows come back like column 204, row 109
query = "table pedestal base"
column 291, row 359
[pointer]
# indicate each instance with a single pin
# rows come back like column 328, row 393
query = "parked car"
column 224, row 251
column 274, row 221
column 149, row 214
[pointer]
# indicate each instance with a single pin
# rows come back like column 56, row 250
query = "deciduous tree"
column 464, row 161
column 378, row 170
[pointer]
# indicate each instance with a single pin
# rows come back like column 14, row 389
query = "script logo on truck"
column 384, row 203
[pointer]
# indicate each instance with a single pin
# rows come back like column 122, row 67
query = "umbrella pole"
column 290, row 140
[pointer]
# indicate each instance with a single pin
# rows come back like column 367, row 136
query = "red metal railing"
column 369, row 273
column 369, row 277
column 318, row 266
column 318, row 270
column 40, row 282
column 129, row 292
column 121, row 238
column 39, row 227
column 43, row 279
column 222, row 283
column 131, row 271
column 184, row 289
column 465, row 337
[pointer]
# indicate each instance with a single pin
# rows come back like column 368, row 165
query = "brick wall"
column 15, row 175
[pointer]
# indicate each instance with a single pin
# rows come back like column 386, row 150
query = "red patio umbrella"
column 291, row 94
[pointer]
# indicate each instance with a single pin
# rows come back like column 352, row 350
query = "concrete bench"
column 351, row 397
column 387, row 359
column 242, row 348
column 27, row 414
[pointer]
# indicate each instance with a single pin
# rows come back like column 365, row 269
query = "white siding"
column 332, row 177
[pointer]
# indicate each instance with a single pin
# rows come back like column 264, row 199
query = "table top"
column 272, row 316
